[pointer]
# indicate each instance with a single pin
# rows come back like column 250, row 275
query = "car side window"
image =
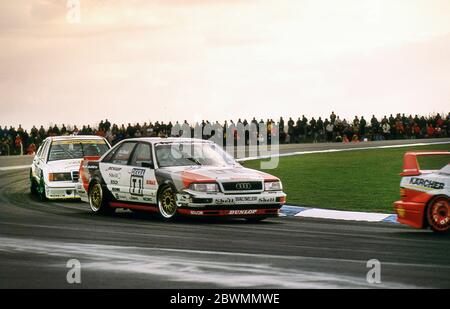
column 39, row 151
column 110, row 154
column 44, row 150
column 142, row 154
column 122, row 154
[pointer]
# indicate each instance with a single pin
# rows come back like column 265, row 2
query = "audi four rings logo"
column 243, row 186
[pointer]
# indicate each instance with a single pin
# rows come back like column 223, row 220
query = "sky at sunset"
column 136, row 60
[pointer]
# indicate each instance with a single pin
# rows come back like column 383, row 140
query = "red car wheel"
column 439, row 215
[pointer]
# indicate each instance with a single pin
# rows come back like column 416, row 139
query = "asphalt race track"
column 129, row 250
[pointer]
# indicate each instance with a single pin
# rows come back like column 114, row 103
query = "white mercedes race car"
column 54, row 171
column 176, row 176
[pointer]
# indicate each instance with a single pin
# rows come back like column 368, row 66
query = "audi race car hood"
column 182, row 176
column 64, row 165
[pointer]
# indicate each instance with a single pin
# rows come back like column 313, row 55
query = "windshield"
column 76, row 149
column 183, row 154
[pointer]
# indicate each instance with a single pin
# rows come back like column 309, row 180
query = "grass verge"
column 359, row 180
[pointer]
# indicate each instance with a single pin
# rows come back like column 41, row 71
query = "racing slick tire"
column 438, row 215
column 97, row 202
column 33, row 185
column 41, row 192
column 167, row 203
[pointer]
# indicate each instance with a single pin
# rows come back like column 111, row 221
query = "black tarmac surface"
column 129, row 250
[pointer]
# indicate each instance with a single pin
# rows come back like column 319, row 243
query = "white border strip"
column 342, row 215
column 289, row 154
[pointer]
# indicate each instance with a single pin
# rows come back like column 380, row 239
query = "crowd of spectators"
column 302, row 130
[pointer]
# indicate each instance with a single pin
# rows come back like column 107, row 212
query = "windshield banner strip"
column 73, row 142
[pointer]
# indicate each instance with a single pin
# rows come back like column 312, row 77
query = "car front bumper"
column 61, row 191
column 235, row 205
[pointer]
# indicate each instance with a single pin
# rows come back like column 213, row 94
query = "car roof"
column 74, row 137
column 157, row 140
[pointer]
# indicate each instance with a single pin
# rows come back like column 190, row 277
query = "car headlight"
column 59, row 177
column 273, row 186
column 204, row 187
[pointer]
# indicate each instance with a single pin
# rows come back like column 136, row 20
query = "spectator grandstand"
column 333, row 129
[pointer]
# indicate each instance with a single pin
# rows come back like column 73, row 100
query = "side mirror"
column 148, row 165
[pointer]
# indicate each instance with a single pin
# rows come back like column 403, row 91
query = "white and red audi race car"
column 54, row 171
column 177, row 176
column 425, row 193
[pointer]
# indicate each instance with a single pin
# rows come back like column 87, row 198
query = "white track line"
column 12, row 168
column 339, row 150
column 18, row 167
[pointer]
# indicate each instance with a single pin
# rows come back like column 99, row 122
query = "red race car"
column 425, row 193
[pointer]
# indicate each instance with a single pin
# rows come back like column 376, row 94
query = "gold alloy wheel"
column 167, row 204
column 96, row 197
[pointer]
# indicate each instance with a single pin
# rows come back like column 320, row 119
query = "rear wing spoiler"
column 411, row 164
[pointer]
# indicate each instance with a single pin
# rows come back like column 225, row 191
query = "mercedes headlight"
column 59, row 177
